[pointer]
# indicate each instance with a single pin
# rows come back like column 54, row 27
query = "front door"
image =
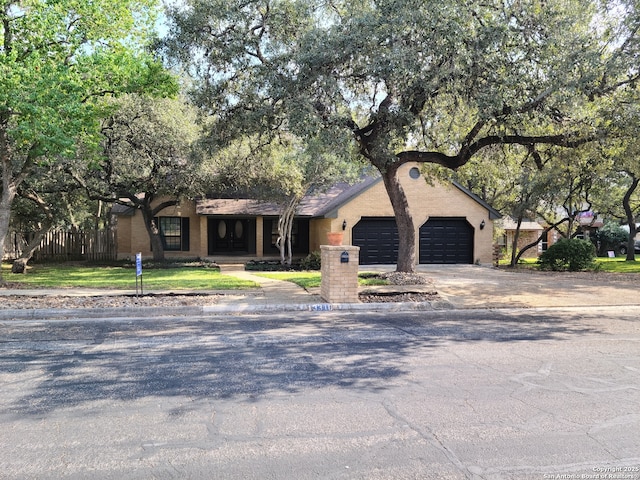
column 228, row 235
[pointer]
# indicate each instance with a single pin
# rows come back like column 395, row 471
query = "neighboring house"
column 452, row 224
column 529, row 232
column 588, row 224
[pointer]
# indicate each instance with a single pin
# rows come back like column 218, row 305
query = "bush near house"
column 310, row 262
column 569, row 255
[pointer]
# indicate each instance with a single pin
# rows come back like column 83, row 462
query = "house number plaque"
column 344, row 257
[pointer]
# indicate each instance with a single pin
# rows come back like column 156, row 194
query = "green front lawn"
column 312, row 279
column 181, row 278
column 618, row 265
column 603, row 264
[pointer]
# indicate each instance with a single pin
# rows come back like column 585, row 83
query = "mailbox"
column 344, row 257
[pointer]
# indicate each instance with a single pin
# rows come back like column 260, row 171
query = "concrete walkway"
column 271, row 292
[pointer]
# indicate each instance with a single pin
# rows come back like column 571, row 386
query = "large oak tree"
column 58, row 59
column 147, row 159
column 407, row 80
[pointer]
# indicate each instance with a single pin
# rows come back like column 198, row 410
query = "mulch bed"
column 19, row 302
column 399, row 297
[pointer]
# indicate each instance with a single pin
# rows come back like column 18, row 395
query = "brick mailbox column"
column 339, row 269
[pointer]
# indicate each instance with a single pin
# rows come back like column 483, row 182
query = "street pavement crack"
column 428, row 435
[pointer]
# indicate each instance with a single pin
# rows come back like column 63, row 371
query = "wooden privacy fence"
column 60, row 246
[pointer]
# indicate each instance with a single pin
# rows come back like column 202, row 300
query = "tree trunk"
column 6, row 199
column 288, row 230
column 404, row 221
column 154, row 234
column 20, row 264
column 514, row 244
column 11, row 179
column 538, row 240
column 631, row 221
column 285, row 226
column 8, row 189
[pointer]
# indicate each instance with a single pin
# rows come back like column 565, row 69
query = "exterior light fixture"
column 482, row 224
column 344, row 225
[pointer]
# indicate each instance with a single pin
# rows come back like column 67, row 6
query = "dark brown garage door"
column 446, row 240
column 378, row 240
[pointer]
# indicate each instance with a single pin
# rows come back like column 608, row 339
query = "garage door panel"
column 446, row 240
column 377, row 239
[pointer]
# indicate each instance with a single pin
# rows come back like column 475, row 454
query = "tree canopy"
column 407, row 81
column 147, row 155
column 283, row 173
column 58, row 60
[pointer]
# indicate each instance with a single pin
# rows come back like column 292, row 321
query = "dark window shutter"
column 184, row 230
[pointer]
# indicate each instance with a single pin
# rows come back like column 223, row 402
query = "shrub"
column 569, row 255
column 267, row 266
column 311, row 261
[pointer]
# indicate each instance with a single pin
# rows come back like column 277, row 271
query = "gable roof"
column 316, row 205
column 313, row 205
column 326, row 204
column 493, row 213
column 508, row 223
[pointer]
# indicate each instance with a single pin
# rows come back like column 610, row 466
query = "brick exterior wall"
column 203, row 236
column 339, row 280
column 123, row 236
column 133, row 237
column 318, row 229
column 525, row 238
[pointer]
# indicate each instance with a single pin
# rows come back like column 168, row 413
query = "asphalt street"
column 473, row 394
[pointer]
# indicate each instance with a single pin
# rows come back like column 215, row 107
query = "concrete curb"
column 48, row 313
column 199, row 311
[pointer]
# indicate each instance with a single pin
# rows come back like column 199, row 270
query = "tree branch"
column 163, row 205
column 437, row 158
column 538, row 240
column 33, row 153
column 467, row 151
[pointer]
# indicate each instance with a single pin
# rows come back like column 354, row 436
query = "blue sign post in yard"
column 139, row 272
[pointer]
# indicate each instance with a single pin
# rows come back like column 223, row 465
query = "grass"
column 617, row 265
column 312, row 279
column 181, row 278
column 603, row 264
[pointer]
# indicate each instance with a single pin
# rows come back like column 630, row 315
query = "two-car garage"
column 441, row 240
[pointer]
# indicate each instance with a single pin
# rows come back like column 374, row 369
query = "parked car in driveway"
column 636, row 247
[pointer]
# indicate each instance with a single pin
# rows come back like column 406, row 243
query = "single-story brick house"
column 452, row 224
